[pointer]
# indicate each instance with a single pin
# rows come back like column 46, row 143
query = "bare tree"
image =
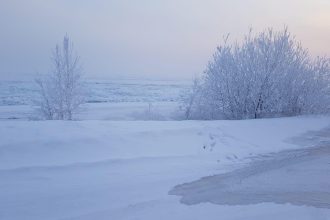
column 268, row 75
column 61, row 91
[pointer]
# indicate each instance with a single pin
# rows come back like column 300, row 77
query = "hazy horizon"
column 146, row 39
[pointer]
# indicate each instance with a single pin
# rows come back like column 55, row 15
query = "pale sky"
column 158, row 39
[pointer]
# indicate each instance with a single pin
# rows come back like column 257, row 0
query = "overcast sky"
column 159, row 39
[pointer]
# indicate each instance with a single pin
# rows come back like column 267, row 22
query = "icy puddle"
column 298, row 177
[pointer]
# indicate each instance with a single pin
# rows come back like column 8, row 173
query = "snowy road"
column 299, row 177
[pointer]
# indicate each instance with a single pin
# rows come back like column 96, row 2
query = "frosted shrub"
column 267, row 75
column 61, row 90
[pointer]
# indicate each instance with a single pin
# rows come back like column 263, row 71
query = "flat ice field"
column 120, row 166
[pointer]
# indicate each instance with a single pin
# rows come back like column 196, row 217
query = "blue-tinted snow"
column 25, row 93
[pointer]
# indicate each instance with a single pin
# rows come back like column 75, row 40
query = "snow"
column 100, row 91
column 106, row 100
column 296, row 177
column 117, row 111
column 126, row 155
column 116, row 169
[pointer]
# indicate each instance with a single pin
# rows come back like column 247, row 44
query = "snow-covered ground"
column 114, row 111
column 106, row 100
column 101, row 91
column 295, row 176
column 97, row 169
column 127, row 156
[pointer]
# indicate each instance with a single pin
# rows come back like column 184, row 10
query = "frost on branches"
column 61, row 91
column 268, row 75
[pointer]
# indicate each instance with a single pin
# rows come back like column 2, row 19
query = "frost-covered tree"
column 267, row 75
column 61, row 91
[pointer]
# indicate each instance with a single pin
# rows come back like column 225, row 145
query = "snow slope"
column 125, row 169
